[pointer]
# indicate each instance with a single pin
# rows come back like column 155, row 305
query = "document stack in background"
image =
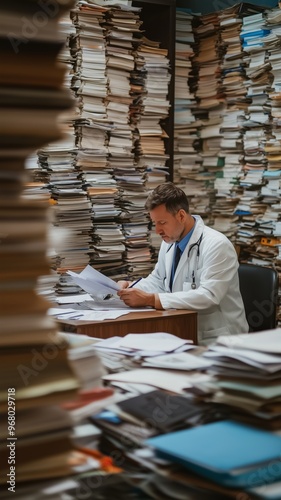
column 234, row 91
column 72, row 208
column 100, row 186
column 153, row 63
column 209, row 97
column 93, row 127
column 235, row 77
column 187, row 161
column 35, row 374
column 259, row 206
column 123, row 104
column 258, row 83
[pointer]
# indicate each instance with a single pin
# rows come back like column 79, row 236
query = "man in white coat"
column 205, row 279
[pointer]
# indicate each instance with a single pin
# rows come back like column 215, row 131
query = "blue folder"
column 255, row 33
column 229, row 453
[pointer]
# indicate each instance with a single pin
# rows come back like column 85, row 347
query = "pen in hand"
column 134, row 283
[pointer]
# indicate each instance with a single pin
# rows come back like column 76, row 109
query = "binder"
column 227, row 452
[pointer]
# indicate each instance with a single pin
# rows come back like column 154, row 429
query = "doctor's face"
column 170, row 227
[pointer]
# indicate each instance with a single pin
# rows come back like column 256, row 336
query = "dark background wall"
column 206, row 6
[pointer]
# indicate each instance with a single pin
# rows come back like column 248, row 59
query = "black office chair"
column 259, row 290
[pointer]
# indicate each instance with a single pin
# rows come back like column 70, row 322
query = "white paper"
column 94, row 282
column 182, row 361
column 173, row 381
column 268, row 341
column 268, row 362
column 160, row 341
column 86, row 314
column 73, row 299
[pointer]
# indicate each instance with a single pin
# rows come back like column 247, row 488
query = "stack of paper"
column 153, row 65
column 35, row 374
column 187, row 161
column 93, row 128
column 248, row 370
column 146, row 349
column 70, row 203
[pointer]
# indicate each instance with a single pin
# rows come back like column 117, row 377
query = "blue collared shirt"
column 183, row 243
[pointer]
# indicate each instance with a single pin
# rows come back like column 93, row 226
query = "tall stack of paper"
column 239, row 141
column 121, row 27
column 93, row 128
column 230, row 155
column 208, row 61
column 123, row 31
column 90, row 61
column 70, row 202
column 268, row 245
column 184, row 133
column 208, row 92
column 259, row 208
column 189, row 172
column 153, row 62
column 148, row 113
column 57, row 168
column 256, row 120
column 35, row 375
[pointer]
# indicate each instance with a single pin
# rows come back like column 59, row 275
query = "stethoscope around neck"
column 194, row 245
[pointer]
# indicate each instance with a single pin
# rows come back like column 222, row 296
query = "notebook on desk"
column 227, row 452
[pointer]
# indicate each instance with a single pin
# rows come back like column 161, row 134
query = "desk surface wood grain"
column 181, row 323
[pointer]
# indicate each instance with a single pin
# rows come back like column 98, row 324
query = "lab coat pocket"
column 186, row 286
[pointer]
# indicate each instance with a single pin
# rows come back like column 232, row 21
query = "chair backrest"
column 259, row 290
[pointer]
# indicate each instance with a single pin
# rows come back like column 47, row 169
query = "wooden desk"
column 181, row 323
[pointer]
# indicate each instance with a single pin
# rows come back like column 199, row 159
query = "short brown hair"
column 169, row 195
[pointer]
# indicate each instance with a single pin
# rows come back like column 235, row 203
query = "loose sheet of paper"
column 94, row 282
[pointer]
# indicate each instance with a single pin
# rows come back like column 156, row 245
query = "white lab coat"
column 217, row 297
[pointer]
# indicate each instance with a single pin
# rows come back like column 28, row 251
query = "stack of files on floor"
column 170, row 440
column 141, row 415
column 161, row 392
column 248, row 373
